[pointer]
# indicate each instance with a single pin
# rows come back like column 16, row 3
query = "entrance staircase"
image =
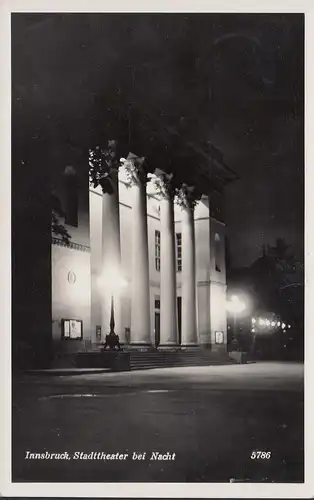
column 144, row 358
column 141, row 360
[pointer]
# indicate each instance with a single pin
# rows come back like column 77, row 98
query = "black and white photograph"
column 157, row 243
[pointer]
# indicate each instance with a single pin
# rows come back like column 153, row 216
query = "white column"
column 111, row 261
column 168, row 295
column 189, row 335
column 140, row 298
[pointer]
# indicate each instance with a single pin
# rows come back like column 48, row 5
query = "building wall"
column 71, row 300
column 154, row 295
column 202, row 257
column 83, row 302
column 217, row 251
column 217, row 310
column 71, row 294
column 217, row 295
column 153, row 224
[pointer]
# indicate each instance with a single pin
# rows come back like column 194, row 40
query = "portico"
column 143, row 260
column 139, row 192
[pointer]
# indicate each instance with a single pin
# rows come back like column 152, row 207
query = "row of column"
column 140, row 292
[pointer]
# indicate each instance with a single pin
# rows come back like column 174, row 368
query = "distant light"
column 283, row 326
column 278, row 323
column 261, row 322
column 253, row 321
column 289, row 326
column 273, row 323
column 253, row 330
column 267, row 322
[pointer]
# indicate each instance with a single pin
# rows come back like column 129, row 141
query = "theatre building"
column 142, row 254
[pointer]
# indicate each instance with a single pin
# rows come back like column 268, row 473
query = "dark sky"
column 233, row 80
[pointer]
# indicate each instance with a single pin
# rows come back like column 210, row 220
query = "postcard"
column 156, row 321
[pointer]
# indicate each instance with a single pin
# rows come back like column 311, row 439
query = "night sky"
column 233, row 80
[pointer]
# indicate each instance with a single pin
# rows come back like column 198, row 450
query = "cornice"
column 72, row 245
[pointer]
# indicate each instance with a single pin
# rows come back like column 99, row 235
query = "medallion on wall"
column 71, row 277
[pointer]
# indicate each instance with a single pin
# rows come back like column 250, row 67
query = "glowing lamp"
column 235, row 305
column 114, row 280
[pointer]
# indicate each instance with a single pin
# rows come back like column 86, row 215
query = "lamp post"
column 119, row 283
column 253, row 342
column 235, row 306
column 115, row 283
column 112, row 322
column 234, row 324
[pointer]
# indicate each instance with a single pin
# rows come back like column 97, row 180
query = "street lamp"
column 114, row 282
column 235, row 306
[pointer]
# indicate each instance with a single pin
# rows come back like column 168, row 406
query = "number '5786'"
column 264, row 455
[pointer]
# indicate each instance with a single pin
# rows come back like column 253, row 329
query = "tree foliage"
column 277, row 279
column 57, row 213
column 103, row 166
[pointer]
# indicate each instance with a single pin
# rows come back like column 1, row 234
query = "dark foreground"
column 211, row 418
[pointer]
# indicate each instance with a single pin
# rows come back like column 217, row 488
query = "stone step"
column 204, row 357
column 181, row 361
column 141, row 361
column 145, row 360
column 177, row 356
column 176, row 353
column 174, row 365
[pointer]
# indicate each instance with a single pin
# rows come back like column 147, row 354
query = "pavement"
column 52, row 372
column 208, row 420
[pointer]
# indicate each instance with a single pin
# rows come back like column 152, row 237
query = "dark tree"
column 57, row 213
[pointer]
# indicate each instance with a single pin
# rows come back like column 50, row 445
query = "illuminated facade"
column 159, row 260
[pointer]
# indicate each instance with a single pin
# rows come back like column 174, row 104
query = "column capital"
column 135, row 169
column 104, row 166
column 186, row 197
column 164, row 184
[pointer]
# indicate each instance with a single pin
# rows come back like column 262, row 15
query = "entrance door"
column 157, row 328
column 179, row 303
